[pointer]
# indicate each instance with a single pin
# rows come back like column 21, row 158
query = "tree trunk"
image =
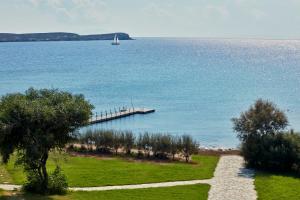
column 187, row 158
column 44, row 171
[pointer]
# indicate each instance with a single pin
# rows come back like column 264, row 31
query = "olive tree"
column 117, row 141
column 189, row 146
column 128, row 141
column 175, row 146
column 38, row 121
column 257, row 129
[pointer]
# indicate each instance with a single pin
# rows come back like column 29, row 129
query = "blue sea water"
column 195, row 85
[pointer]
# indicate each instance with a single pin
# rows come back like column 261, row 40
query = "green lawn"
column 191, row 192
column 87, row 171
column 277, row 187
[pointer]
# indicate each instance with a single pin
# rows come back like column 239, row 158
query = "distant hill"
column 58, row 36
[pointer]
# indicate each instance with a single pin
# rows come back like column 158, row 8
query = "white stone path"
column 231, row 181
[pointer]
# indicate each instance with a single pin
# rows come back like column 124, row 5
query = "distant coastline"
column 59, row 36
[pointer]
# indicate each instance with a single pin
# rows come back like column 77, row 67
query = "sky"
column 155, row 18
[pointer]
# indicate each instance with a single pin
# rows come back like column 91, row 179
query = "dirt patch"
column 219, row 152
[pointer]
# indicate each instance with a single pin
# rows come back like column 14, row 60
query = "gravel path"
column 139, row 186
column 9, row 187
column 231, row 181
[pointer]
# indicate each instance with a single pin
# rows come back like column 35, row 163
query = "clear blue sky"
column 178, row 18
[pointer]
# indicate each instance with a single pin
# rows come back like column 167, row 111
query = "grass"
column 277, row 187
column 89, row 171
column 190, row 192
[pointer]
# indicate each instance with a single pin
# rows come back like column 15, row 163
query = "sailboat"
column 116, row 41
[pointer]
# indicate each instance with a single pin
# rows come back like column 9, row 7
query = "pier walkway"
column 108, row 116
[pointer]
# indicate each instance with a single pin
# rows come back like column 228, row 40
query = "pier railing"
column 117, row 114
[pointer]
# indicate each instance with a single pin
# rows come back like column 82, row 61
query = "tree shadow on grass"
column 266, row 174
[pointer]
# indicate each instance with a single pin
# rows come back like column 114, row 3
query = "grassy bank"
column 191, row 192
column 277, row 187
column 91, row 171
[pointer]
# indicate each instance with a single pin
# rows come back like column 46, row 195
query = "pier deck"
column 120, row 114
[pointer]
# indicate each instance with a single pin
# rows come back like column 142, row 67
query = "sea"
column 196, row 85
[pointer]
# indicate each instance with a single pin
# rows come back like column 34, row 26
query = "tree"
column 257, row 129
column 37, row 122
column 189, row 146
column 117, row 141
column 128, row 141
column 264, row 118
column 175, row 146
column 146, row 143
column 164, row 144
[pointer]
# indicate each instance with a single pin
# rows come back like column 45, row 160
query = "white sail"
column 116, row 40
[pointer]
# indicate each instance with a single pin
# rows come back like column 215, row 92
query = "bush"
column 34, row 183
column 280, row 152
column 57, row 183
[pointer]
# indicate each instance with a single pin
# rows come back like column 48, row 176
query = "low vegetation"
column 274, row 186
column 158, row 146
column 96, row 171
column 191, row 192
column 265, row 142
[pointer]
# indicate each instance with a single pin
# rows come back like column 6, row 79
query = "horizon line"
column 175, row 37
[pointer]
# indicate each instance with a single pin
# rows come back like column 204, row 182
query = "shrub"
column 34, row 183
column 57, row 183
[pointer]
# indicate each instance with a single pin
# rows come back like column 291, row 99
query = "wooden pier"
column 120, row 114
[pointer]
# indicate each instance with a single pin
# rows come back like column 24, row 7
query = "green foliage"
column 161, row 146
column 57, row 182
column 128, row 141
column 263, row 118
column 188, row 146
column 264, row 144
column 35, row 123
column 34, row 183
column 274, row 152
